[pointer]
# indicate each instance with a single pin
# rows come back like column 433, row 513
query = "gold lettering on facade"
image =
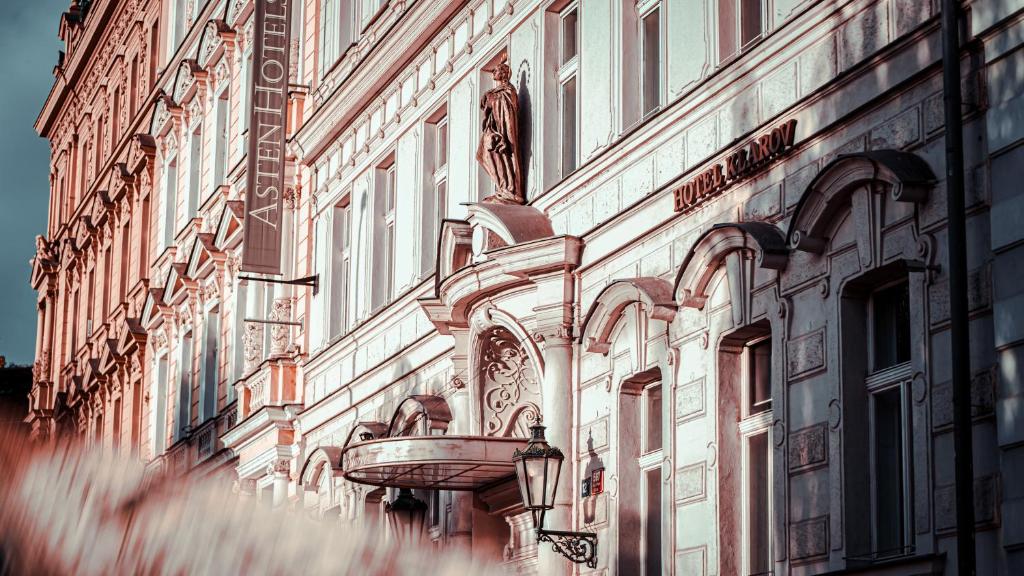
column 743, row 162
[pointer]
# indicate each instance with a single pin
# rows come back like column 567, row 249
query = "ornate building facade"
column 703, row 241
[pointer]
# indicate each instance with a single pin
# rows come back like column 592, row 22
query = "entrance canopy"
column 431, row 462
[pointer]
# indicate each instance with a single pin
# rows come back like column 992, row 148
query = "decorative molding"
column 510, row 392
column 805, row 354
column 808, row 448
column 690, row 403
column 691, row 485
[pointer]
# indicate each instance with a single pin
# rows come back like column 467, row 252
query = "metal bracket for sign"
column 311, row 281
column 262, row 321
column 579, row 547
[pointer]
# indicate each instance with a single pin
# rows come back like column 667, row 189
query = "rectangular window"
column 170, row 201
column 381, row 259
column 211, row 370
column 569, row 35
column 184, row 400
column 652, row 414
column 115, row 118
column 336, row 31
column 890, row 463
column 759, row 393
column 244, row 104
column 340, row 258
column 890, row 420
column 652, row 521
column 651, row 480
column 116, row 422
column 756, row 458
column 159, row 432
column 568, row 124
column 389, row 235
column 195, row 164
column 651, row 65
column 435, row 190
column 740, row 24
column 178, row 18
column 568, row 104
column 220, row 160
column 759, row 499
column 890, row 316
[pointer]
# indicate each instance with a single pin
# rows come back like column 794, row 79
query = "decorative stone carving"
column 809, row 538
column 806, row 354
column 510, row 391
column 41, row 368
column 252, row 344
column 808, row 447
column 690, row 400
column 690, row 484
column 280, row 334
column 46, row 251
column 498, row 151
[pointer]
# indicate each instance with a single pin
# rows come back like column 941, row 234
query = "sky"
column 29, row 43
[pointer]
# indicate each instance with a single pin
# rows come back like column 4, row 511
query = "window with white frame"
column 177, row 15
column 369, row 10
column 740, row 24
column 383, row 257
column 115, row 421
column 336, row 31
column 755, row 434
column 195, row 171
column 435, row 188
column 170, row 203
column 184, row 398
column 210, row 370
column 651, row 56
column 244, row 104
column 220, row 139
column 568, row 97
column 890, row 423
column 651, row 479
column 341, row 258
column 159, row 405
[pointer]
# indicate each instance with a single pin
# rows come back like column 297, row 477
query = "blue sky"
column 28, row 39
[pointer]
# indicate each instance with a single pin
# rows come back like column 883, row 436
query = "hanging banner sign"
column 268, row 94
column 743, row 162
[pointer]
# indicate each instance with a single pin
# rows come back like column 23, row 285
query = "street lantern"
column 538, row 468
column 406, row 516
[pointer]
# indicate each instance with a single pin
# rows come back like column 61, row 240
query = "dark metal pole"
column 959, row 327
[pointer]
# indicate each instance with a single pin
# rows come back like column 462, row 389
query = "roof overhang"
column 438, row 462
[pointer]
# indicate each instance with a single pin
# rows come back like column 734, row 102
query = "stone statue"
column 45, row 249
column 499, row 145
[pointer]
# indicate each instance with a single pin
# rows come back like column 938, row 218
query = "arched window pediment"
column 653, row 294
column 904, row 175
column 323, row 459
column 760, row 240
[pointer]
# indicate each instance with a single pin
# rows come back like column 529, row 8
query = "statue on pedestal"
column 498, row 151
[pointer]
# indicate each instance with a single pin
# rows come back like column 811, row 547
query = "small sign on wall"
column 593, row 484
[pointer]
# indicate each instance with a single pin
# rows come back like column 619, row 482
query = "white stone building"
column 726, row 294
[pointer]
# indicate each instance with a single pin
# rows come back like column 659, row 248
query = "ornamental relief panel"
column 510, row 392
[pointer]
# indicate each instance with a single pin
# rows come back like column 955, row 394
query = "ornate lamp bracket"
column 580, row 547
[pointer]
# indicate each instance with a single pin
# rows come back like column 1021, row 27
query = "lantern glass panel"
column 535, row 475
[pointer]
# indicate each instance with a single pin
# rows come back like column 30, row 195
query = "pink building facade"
column 725, row 295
